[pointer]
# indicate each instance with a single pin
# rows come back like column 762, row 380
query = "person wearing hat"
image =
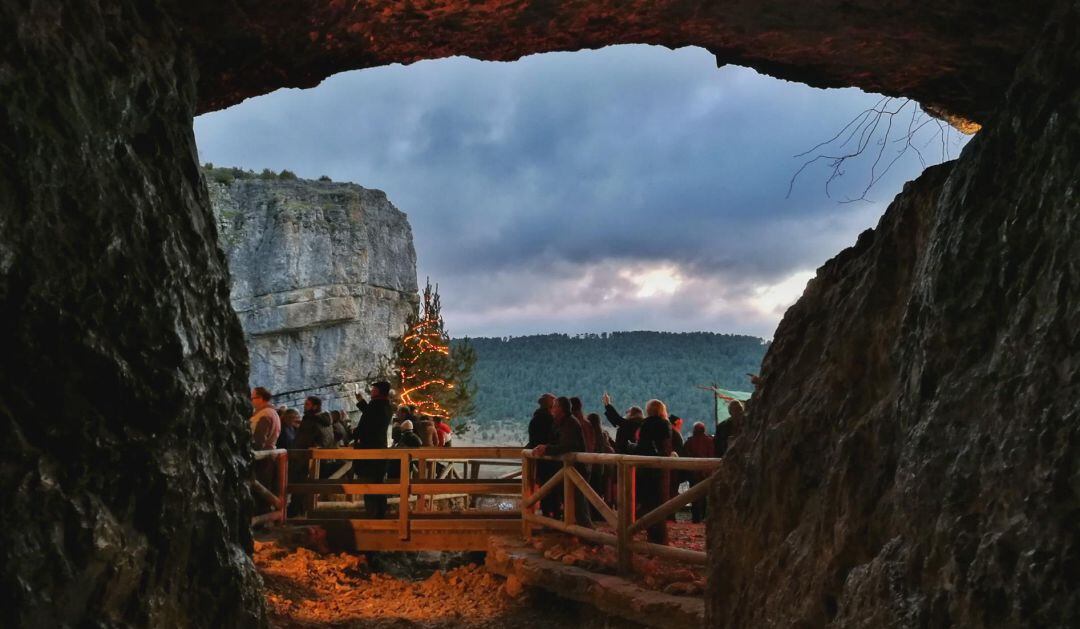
column 371, row 432
column 407, row 437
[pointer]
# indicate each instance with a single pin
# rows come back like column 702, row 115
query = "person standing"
column 626, row 428
column 677, row 476
column 541, row 432
column 316, row 427
column 700, row 446
column 290, row 421
column 653, row 484
column 569, row 438
column 265, row 423
column 265, row 428
column 370, row 433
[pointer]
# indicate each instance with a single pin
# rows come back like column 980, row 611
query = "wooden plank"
column 259, row 455
column 458, row 486
column 670, row 552
column 544, row 490
column 572, row 529
column 594, row 499
column 432, row 453
column 658, row 462
column 340, row 472
column 273, row 516
column 327, row 486
column 660, row 513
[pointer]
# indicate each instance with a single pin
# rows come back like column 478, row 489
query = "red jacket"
column 699, row 447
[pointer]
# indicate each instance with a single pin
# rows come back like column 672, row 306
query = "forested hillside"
column 511, row 373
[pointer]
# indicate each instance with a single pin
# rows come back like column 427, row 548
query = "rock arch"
column 911, row 460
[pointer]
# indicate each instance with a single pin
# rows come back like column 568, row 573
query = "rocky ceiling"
column 955, row 57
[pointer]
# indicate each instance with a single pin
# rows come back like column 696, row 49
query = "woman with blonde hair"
column 653, row 484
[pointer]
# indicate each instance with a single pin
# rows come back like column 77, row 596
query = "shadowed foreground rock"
column 913, row 458
column 124, row 455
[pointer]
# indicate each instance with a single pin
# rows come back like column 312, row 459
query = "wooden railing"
column 434, row 476
column 622, row 517
column 279, row 500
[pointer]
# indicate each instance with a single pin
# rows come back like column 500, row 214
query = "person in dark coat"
column 542, row 432
column 316, row 427
column 626, row 428
column 407, row 437
column 699, row 445
column 653, row 484
column 290, row 422
column 568, row 438
column 315, row 431
column 727, row 430
column 375, row 418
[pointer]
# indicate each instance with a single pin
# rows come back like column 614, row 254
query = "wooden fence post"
column 569, row 507
column 283, row 482
column 404, row 465
column 526, row 493
column 625, row 513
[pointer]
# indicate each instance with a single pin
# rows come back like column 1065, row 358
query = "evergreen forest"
column 511, row 373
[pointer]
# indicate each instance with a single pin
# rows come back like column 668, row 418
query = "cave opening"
column 911, row 455
column 624, row 180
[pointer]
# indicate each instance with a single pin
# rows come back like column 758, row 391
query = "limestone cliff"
column 323, row 275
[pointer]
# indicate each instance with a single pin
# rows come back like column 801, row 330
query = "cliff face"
column 323, row 275
column 913, row 457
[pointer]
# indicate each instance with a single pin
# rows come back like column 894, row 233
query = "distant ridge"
column 511, row 372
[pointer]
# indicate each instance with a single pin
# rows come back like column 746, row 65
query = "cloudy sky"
column 630, row 188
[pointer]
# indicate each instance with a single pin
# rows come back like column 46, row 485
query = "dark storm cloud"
column 574, row 176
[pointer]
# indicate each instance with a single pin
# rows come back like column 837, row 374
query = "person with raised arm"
column 626, row 428
column 371, row 432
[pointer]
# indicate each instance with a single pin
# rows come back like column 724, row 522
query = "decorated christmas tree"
column 426, row 372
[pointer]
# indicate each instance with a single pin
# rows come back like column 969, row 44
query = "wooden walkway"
column 426, row 476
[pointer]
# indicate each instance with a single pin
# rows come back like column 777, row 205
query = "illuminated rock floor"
column 308, row 589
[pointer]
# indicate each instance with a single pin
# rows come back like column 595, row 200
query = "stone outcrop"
column 125, row 453
column 323, row 276
column 913, row 457
column 957, row 57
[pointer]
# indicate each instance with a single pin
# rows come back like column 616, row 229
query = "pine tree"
column 426, row 372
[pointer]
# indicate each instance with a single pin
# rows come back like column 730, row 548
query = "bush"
column 325, row 178
column 267, row 174
column 287, row 175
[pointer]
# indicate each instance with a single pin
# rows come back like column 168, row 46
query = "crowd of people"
column 559, row 426
column 285, row 428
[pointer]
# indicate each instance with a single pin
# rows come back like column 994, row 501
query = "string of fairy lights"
column 423, row 338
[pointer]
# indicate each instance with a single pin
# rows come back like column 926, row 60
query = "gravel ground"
column 308, row 589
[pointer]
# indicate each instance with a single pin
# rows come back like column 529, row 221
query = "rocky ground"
column 307, row 589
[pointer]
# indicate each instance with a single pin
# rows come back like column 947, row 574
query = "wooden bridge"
column 426, row 476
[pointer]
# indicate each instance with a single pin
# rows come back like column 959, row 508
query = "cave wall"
column 911, row 459
column 913, row 456
column 124, row 456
